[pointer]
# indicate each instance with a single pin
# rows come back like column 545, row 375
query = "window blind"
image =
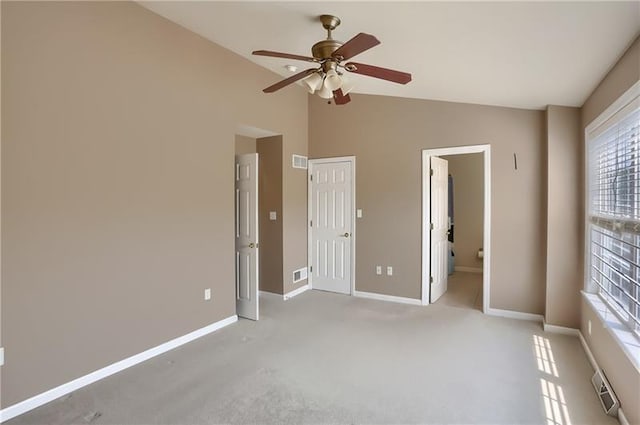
column 614, row 216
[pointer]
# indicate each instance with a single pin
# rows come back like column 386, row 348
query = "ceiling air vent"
column 299, row 161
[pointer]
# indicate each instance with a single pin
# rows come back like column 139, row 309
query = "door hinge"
column 430, row 279
column 310, row 177
column 431, row 172
column 310, row 269
column 431, row 226
column 311, row 223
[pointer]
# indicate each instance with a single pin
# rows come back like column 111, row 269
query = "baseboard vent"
column 299, row 161
column 607, row 398
column 300, row 274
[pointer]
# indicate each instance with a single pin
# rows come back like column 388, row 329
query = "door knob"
column 252, row 245
column 346, row 235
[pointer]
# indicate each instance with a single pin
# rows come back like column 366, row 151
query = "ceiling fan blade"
column 355, row 46
column 290, row 80
column 377, row 72
column 341, row 98
column 284, row 55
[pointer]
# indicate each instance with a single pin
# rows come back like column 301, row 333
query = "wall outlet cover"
column 273, row 215
column 359, row 213
column 389, row 271
column 378, row 270
column 207, row 294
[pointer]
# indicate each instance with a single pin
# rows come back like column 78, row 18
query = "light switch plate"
column 378, row 270
column 389, row 271
column 207, row 294
column 1, row 356
column 359, row 213
column 273, row 215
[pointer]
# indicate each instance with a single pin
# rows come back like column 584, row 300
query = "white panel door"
column 331, row 221
column 246, row 230
column 439, row 227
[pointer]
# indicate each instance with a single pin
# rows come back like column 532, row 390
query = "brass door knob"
column 252, row 245
column 346, row 235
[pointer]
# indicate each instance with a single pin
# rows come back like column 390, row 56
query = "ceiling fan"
column 328, row 77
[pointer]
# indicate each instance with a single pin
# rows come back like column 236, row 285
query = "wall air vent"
column 299, row 161
column 300, row 274
column 606, row 396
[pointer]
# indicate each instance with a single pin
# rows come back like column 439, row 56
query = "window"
column 613, row 213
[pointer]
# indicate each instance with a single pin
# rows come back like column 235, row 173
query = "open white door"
column 331, row 215
column 247, row 235
column 439, row 227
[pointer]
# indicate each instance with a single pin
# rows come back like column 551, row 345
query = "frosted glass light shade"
column 325, row 92
column 313, row 82
column 347, row 85
column 332, row 81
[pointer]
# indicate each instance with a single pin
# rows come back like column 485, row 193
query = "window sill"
column 619, row 331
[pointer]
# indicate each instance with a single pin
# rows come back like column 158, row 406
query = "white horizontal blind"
column 614, row 215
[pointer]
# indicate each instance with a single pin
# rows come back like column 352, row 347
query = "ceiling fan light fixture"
column 347, row 85
column 313, row 82
column 325, row 92
column 332, row 81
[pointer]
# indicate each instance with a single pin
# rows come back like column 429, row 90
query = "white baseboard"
column 622, row 418
column 295, row 292
column 468, row 269
column 54, row 393
column 510, row 314
column 588, row 352
column 269, row 294
column 382, row 297
column 559, row 329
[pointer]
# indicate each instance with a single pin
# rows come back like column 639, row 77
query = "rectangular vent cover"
column 299, row 161
column 300, row 274
column 606, row 396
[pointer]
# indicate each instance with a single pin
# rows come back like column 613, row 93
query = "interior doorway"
column 456, row 226
column 258, row 218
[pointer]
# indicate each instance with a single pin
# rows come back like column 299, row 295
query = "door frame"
column 311, row 162
column 426, row 217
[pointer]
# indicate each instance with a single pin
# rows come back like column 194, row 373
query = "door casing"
column 426, row 218
column 352, row 160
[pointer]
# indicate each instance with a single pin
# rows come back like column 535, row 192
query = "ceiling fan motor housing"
column 325, row 48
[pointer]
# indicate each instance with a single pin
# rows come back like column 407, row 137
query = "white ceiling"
column 517, row 54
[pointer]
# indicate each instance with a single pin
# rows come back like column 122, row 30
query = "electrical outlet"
column 389, row 271
column 273, row 215
column 378, row 270
column 207, row 294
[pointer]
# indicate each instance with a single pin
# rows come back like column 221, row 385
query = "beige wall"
column 564, row 232
column 245, row 144
column 622, row 374
column 117, row 184
column 387, row 136
column 270, row 199
column 468, row 203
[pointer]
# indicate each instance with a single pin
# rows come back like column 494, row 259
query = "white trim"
column 626, row 98
column 468, row 269
column 588, row 352
column 383, row 297
column 559, row 329
column 295, row 292
column 269, row 294
column 510, row 314
column 622, row 418
column 426, row 213
column 54, row 393
column 311, row 163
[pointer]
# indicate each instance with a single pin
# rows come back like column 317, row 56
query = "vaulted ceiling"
column 517, row 54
